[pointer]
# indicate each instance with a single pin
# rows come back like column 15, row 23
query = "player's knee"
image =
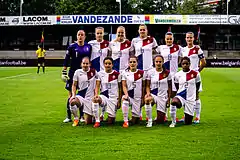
column 111, row 119
column 88, row 119
column 124, row 99
column 188, row 119
column 73, row 108
column 147, row 100
column 176, row 102
column 95, row 100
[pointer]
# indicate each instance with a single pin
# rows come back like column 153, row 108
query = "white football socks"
column 125, row 107
column 173, row 110
column 148, row 109
column 95, row 108
column 198, row 108
column 74, row 110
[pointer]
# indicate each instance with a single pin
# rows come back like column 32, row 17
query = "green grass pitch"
column 32, row 108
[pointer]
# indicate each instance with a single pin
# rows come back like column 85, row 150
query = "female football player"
column 158, row 90
column 108, row 81
column 85, row 80
column 119, row 50
column 187, row 83
column 133, row 85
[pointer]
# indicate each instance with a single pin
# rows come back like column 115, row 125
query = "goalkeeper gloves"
column 64, row 76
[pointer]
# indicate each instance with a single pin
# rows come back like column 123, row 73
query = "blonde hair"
column 123, row 28
column 144, row 25
column 99, row 28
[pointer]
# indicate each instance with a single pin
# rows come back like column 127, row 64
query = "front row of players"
column 136, row 93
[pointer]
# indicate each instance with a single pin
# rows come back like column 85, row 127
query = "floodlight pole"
column 227, row 7
column 21, row 3
column 120, row 7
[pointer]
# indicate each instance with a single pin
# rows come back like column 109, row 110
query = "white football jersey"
column 120, row 54
column 134, row 82
column 86, row 82
column 99, row 52
column 170, row 55
column 195, row 54
column 109, row 83
column 187, row 84
column 143, row 50
column 159, row 82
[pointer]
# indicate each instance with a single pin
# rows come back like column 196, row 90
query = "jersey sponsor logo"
column 89, row 19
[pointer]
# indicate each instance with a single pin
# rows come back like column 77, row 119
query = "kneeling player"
column 83, row 79
column 187, row 83
column 109, row 83
column 158, row 88
column 134, row 89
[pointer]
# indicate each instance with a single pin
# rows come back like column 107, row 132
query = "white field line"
column 22, row 75
column 19, row 75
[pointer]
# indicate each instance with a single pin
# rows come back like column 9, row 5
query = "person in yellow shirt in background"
column 41, row 54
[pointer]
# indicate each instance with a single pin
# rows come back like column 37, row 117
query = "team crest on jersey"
column 105, row 45
column 194, row 51
column 139, row 75
column 164, row 75
column 113, row 77
column 91, row 73
column 175, row 49
column 192, row 75
column 148, row 41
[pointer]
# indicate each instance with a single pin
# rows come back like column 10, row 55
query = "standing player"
column 108, row 81
column 99, row 49
column 84, row 79
column 187, row 82
column 158, row 90
column 143, row 47
column 133, row 84
column 41, row 61
column 172, row 54
column 195, row 53
column 119, row 50
column 75, row 52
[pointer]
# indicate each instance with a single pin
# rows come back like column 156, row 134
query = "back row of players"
column 123, row 66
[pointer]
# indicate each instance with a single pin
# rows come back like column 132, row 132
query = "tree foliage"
column 188, row 7
column 87, row 7
column 56, row 7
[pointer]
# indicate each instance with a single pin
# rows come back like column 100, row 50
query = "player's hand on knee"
column 147, row 95
column 72, row 99
column 64, row 77
column 125, row 97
